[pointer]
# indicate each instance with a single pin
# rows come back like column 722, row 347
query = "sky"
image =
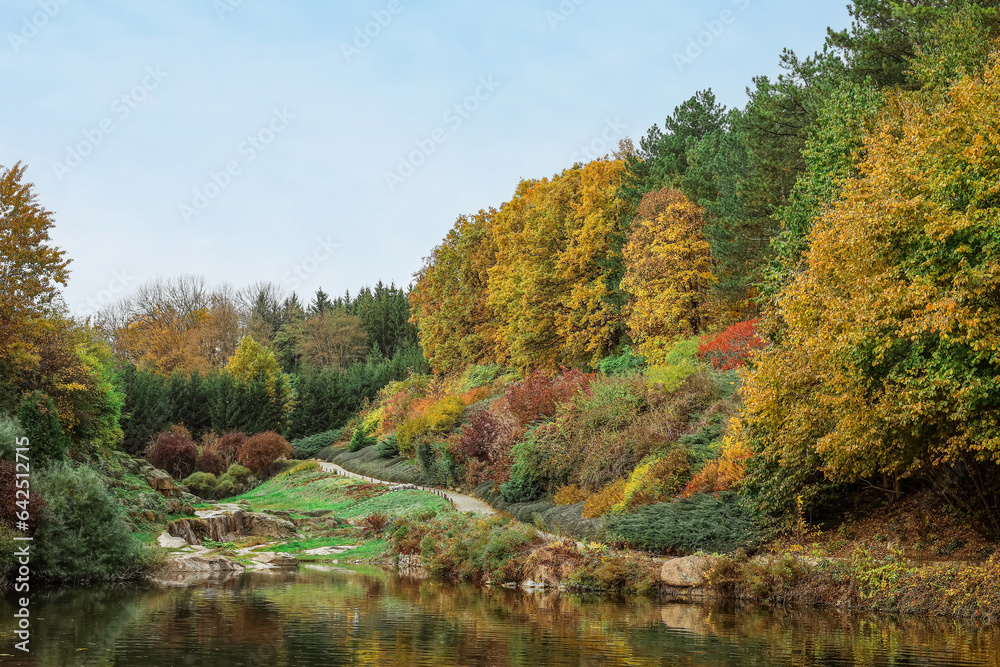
column 332, row 144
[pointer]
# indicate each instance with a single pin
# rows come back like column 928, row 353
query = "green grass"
column 399, row 504
column 310, row 543
column 317, row 490
column 366, row 551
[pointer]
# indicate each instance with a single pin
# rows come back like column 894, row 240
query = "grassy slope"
column 311, row 490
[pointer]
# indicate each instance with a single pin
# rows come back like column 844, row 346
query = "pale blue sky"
column 125, row 111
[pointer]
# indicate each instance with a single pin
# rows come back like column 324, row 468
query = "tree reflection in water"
column 335, row 616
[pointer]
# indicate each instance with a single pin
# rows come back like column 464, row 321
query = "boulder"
column 277, row 559
column 167, row 541
column 149, row 501
column 160, row 480
column 686, row 572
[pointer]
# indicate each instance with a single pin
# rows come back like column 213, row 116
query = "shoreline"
column 788, row 574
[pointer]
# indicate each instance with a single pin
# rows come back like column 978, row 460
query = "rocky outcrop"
column 686, row 572
column 413, row 566
column 231, row 527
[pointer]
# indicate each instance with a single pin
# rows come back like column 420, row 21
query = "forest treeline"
column 851, row 205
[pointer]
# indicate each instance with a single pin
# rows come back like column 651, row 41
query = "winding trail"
column 462, row 503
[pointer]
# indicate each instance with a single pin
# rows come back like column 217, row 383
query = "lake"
column 327, row 615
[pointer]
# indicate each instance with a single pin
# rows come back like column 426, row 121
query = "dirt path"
column 462, row 503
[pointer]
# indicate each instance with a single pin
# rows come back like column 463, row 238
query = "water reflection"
column 332, row 616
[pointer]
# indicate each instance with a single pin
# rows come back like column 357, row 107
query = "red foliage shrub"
column 263, row 449
column 211, row 462
column 174, row 453
column 228, row 446
column 374, row 524
column 8, row 491
column 487, row 435
column 539, row 396
column 731, row 348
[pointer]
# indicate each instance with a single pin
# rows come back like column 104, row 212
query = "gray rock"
column 149, row 501
column 167, row 541
column 686, row 572
column 277, row 559
column 203, row 564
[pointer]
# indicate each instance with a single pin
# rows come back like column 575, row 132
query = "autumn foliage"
column 668, row 272
column 889, row 360
column 540, row 394
column 263, row 449
column 525, row 285
column 228, row 446
column 731, row 348
column 211, row 462
column 175, row 453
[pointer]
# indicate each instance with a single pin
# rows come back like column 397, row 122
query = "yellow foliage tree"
column 889, row 360
column 548, row 286
column 668, row 272
column 457, row 325
column 30, row 268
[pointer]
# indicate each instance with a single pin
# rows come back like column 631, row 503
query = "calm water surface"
column 332, row 616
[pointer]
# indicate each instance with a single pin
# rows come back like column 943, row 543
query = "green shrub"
column 40, row 420
column 239, row 473
column 437, row 464
column 543, row 462
column 476, row 376
column 621, row 364
column 715, row 524
column 613, row 403
column 680, row 364
column 702, row 444
column 203, row 484
column 8, row 561
column 10, row 431
column 235, row 481
column 83, row 536
column 528, row 479
column 306, row 448
column 327, row 453
column 388, row 447
column 360, row 439
column 466, row 546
